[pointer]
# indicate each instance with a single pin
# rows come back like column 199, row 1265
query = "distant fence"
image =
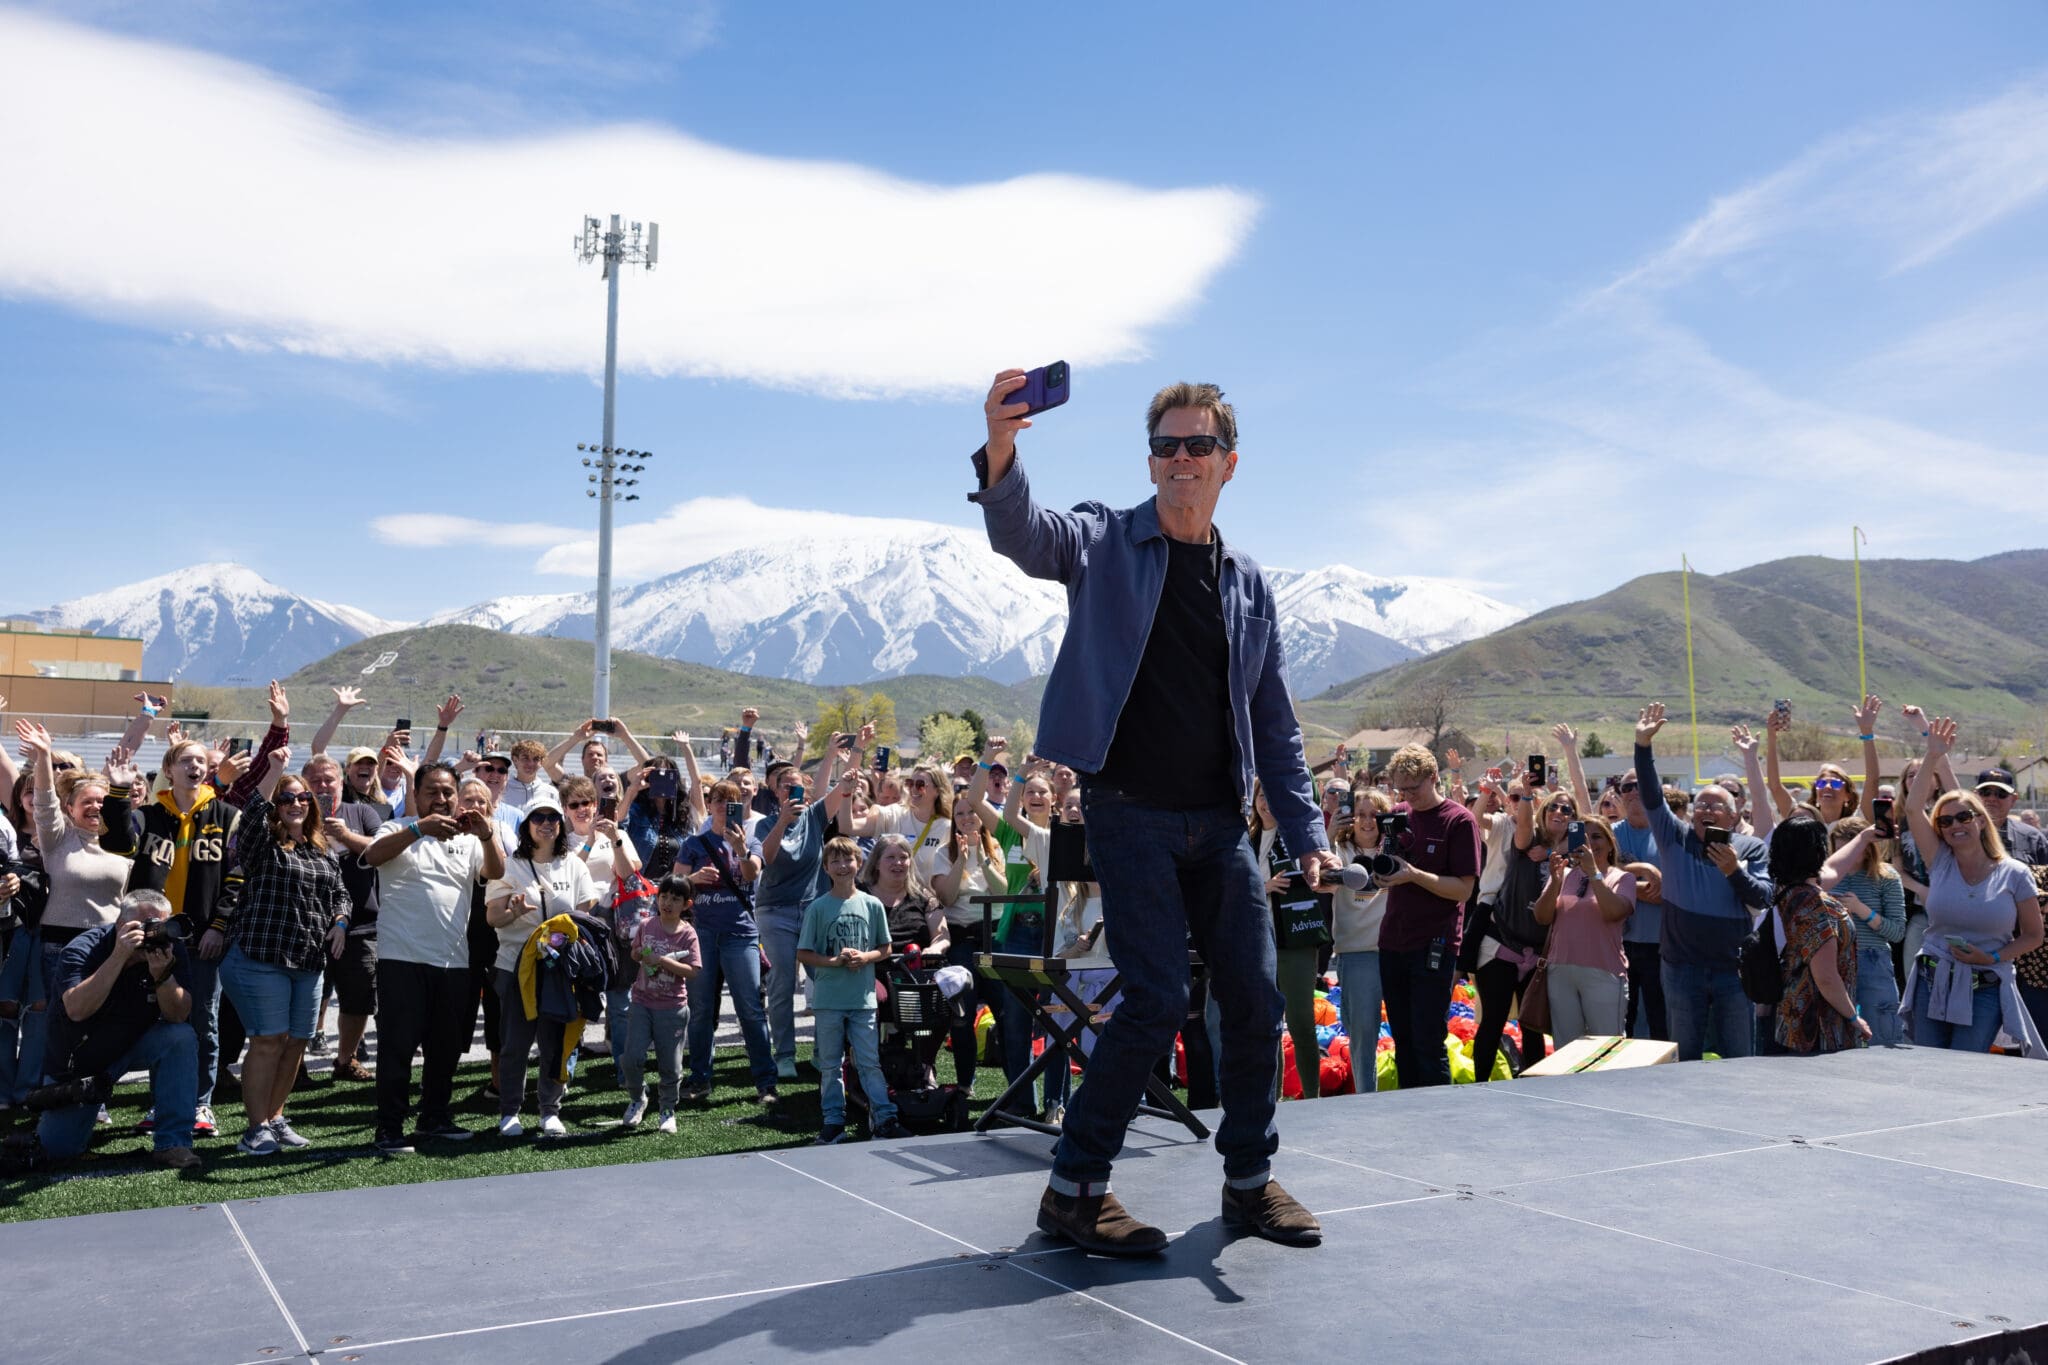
column 90, row 737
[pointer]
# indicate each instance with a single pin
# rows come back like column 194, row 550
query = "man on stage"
column 1168, row 696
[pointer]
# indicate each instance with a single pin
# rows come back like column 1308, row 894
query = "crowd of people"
column 180, row 921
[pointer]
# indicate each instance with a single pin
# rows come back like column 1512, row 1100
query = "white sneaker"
column 552, row 1126
column 511, row 1127
column 257, row 1142
column 668, row 1121
column 635, row 1111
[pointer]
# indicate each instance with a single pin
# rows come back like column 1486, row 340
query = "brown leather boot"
column 1097, row 1223
column 1271, row 1213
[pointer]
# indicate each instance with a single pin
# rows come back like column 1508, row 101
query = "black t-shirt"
column 89, row 1046
column 1172, row 746
column 361, row 879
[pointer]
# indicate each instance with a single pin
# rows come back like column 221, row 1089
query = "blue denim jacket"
column 1114, row 566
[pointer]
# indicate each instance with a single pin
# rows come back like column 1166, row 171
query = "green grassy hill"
column 529, row 682
column 1965, row 639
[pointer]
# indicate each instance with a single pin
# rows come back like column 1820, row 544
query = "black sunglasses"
column 1201, row 447
column 1961, row 817
column 544, row 817
column 1625, row 786
column 492, row 768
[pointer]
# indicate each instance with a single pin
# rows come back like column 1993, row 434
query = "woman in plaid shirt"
column 292, row 916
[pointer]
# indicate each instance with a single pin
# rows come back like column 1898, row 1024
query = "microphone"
column 1354, row 877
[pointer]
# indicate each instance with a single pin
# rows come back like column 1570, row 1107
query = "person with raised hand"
column 1983, row 912
column 1816, row 948
column 1568, row 740
column 792, row 876
column 293, row 914
column 1713, row 879
column 182, row 844
column 84, row 880
column 1170, row 695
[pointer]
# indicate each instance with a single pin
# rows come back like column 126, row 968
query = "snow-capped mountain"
column 216, row 624
column 858, row 608
column 1339, row 622
column 847, row 610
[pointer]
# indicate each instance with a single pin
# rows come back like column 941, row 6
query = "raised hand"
column 280, row 758
column 231, row 767
column 1941, row 737
column 866, row 736
column 1914, row 716
column 750, row 717
column 348, row 698
column 1744, row 740
column 119, row 768
column 1566, row 736
column 1005, row 418
column 1649, row 723
column 1453, row 760
column 448, row 710
column 280, row 705
column 1777, row 721
column 174, row 734
column 35, row 740
column 1866, row 715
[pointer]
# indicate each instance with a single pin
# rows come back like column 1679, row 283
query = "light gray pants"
column 1585, row 1000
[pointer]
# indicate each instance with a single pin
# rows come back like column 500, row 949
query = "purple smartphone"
column 1048, row 386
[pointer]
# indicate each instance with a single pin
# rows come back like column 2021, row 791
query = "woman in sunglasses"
column 1835, row 794
column 924, row 816
column 292, row 915
column 1982, row 912
column 543, row 878
column 1516, row 935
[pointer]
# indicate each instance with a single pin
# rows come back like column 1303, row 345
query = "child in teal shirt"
column 845, row 933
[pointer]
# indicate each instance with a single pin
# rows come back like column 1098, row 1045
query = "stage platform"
column 1855, row 1208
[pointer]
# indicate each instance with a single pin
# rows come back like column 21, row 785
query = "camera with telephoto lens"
column 1393, row 829
column 93, row 1090
column 162, row 935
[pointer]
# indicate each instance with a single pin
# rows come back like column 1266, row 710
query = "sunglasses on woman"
column 293, row 798
column 1829, row 784
column 543, row 817
column 1961, row 817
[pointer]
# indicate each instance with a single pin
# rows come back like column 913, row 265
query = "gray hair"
column 133, row 903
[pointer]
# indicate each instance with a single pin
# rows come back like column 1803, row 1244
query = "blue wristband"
column 1867, row 739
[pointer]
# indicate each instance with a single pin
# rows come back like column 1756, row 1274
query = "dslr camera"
column 1393, row 834
column 162, row 935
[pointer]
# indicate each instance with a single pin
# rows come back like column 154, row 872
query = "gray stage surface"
column 1853, row 1208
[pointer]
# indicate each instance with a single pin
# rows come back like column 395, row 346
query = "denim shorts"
column 269, row 998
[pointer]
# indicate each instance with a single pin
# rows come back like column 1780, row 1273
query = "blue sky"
column 1537, row 297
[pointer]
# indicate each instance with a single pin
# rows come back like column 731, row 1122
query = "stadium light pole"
column 617, row 246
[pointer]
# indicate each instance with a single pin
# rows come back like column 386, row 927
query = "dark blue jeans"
column 1418, row 996
column 1167, row 876
column 1708, row 1011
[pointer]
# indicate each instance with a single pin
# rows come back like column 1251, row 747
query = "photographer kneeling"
column 123, row 1004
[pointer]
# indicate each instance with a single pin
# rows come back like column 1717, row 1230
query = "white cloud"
column 434, row 530
column 700, row 529
column 1617, row 436
column 1914, row 185
column 199, row 193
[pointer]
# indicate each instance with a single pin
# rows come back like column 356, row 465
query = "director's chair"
column 1068, row 1016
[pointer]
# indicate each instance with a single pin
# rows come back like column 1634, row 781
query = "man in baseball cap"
column 2022, row 840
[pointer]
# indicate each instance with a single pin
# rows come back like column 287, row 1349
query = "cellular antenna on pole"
column 616, row 246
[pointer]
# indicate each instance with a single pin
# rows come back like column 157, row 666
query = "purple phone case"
column 1040, row 395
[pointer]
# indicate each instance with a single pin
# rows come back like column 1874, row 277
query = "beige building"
column 67, row 678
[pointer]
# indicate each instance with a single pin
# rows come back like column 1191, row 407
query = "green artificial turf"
column 338, row 1117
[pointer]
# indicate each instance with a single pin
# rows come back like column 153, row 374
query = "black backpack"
column 1763, row 976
